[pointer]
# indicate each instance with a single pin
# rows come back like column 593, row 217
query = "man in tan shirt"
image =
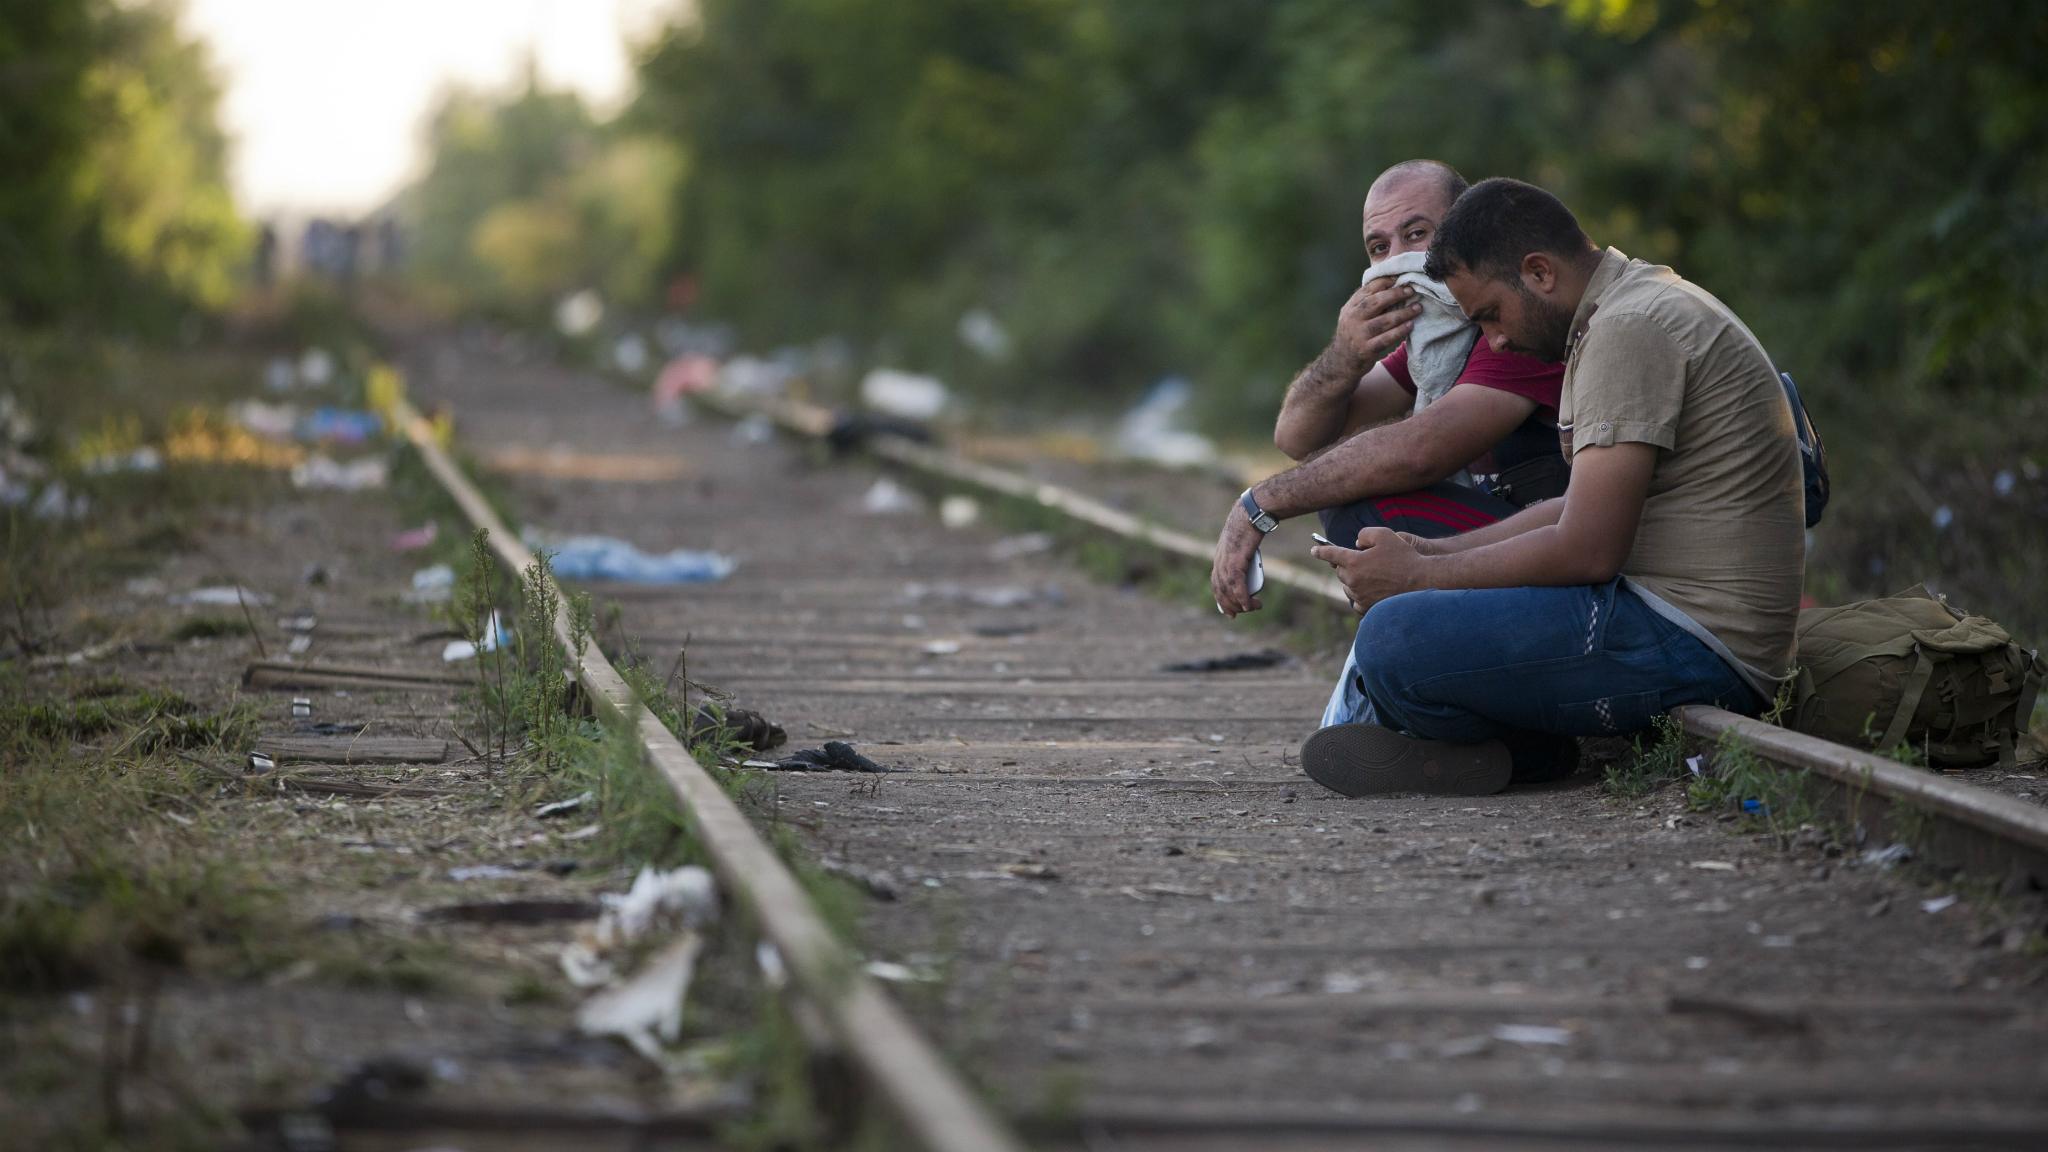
column 1667, row 574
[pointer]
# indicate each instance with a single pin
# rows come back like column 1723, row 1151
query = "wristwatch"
column 1260, row 518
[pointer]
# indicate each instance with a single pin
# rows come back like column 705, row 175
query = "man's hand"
column 1384, row 564
column 1374, row 322
column 1230, row 574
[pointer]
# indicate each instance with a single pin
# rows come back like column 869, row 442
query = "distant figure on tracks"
column 1407, row 420
column 1667, row 574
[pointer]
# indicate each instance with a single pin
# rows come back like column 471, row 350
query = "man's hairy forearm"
column 1539, row 515
column 1319, row 399
column 1370, row 462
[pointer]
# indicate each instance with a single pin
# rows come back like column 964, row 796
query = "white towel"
column 1442, row 338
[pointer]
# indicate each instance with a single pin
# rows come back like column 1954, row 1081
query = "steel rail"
column 926, row 1096
column 1975, row 828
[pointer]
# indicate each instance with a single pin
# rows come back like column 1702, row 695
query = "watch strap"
column 1260, row 518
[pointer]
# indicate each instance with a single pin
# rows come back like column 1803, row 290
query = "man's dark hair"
column 1497, row 222
column 1447, row 178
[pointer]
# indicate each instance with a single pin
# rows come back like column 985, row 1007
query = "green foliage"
column 528, row 198
column 116, row 199
column 1650, row 765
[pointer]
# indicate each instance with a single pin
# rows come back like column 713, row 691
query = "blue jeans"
column 1522, row 664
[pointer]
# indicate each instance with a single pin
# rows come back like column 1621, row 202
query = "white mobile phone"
column 1319, row 538
column 1255, row 577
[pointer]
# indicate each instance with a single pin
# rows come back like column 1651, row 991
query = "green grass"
column 98, row 880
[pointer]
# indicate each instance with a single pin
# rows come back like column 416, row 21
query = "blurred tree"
column 116, row 199
column 527, row 198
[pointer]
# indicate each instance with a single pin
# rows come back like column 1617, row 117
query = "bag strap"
column 1855, row 654
column 1910, row 691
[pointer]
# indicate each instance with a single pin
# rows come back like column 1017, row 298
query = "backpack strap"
column 1911, row 689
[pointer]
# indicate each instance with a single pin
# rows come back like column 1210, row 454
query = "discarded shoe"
column 836, row 756
column 749, row 728
column 1368, row 760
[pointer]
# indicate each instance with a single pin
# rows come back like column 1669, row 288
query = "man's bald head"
column 1445, row 179
column 1404, row 205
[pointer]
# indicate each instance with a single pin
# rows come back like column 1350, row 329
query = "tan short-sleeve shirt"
column 1658, row 360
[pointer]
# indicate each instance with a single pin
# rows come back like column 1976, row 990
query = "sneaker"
column 1368, row 760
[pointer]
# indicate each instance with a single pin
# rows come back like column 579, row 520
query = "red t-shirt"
column 1512, row 372
column 1524, row 376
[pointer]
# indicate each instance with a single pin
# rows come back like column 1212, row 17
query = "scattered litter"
column 323, row 473
column 277, row 422
column 432, row 585
column 339, row 426
column 316, row 367
column 1938, row 904
column 564, row 807
column 314, row 575
column 629, row 354
column 259, row 763
column 1697, row 765
column 2003, row 483
column 646, row 1010
column 587, row 832
column 1532, row 1034
column 903, row 394
column 1888, row 857
column 495, row 636
column 144, row 459
column 684, row 897
column 512, row 911
column 298, row 645
column 278, row 375
column 836, row 756
column 896, row 973
column 59, row 503
column 1240, row 662
column 1713, row 865
column 578, row 313
column 750, row 729
column 219, row 596
column 1756, row 807
column 485, row 872
column 299, row 623
column 592, row 558
column 1154, row 430
column 958, row 511
column 1030, row 871
column 414, row 539
column 685, row 375
column 754, row 431
column 981, row 331
column 941, row 648
column 1943, row 517
column 988, row 596
column 753, row 376
column 1201, row 1038
column 1018, row 547
column 888, row 498
column 302, row 708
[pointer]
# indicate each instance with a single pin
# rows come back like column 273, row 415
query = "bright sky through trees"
column 324, row 98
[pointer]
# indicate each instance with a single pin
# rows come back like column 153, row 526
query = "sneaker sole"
column 1368, row 760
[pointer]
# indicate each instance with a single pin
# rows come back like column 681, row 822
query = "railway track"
column 1118, row 905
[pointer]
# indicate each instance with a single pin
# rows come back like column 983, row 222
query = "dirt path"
column 1139, row 921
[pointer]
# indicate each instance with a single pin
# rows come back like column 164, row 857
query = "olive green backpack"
column 1911, row 669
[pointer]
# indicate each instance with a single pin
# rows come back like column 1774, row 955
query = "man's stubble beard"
column 1550, row 327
